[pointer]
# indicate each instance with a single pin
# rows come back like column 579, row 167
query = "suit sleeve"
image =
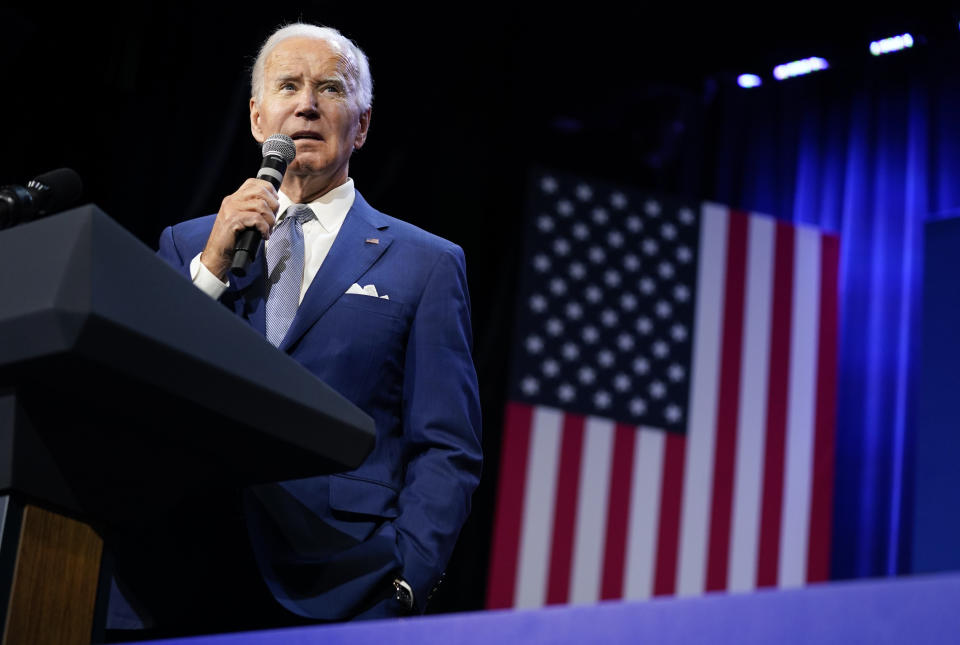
column 189, row 265
column 441, row 418
column 170, row 252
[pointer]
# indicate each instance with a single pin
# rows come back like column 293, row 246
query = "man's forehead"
column 295, row 52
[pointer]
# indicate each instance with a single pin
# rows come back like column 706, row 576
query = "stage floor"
column 910, row 610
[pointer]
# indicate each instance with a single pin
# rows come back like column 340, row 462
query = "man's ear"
column 363, row 129
column 255, row 128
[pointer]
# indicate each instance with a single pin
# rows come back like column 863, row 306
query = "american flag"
column 672, row 406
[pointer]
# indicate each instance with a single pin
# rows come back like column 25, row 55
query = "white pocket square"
column 368, row 290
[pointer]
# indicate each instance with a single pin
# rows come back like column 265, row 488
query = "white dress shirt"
column 318, row 236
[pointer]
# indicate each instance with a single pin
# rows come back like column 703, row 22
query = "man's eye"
column 288, row 87
column 332, row 89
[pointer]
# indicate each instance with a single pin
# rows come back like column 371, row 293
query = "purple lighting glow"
column 749, row 80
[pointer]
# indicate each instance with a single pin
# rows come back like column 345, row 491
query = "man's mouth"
column 306, row 134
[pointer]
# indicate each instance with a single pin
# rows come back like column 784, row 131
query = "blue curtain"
column 870, row 153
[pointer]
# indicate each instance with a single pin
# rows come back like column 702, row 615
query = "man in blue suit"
column 382, row 316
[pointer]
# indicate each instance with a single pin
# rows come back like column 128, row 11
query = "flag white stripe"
column 754, row 367
column 645, row 485
column 801, row 410
column 698, row 469
column 592, row 497
column 538, row 503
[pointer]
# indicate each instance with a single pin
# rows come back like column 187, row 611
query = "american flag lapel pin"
column 373, row 240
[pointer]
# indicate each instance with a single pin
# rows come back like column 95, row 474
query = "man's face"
column 306, row 96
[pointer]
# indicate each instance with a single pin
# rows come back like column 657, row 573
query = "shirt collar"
column 330, row 208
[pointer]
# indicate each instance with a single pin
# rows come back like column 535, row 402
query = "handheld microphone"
column 278, row 151
column 46, row 194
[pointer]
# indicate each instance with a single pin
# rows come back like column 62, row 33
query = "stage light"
column 799, row 67
column 892, row 44
column 749, row 80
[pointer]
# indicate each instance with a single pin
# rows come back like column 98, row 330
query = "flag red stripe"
column 618, row 512
column 728, row 402
column 565, row 510
column 505, row 550
column 777, row 388
column 668, row 534
column 821, row 502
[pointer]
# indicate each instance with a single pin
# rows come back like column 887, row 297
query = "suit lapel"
column 349, row 258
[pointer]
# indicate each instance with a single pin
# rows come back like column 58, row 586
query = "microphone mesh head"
column 57, row 189
column 280, row 144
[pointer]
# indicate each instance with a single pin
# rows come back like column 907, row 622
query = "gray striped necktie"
column 285, row 271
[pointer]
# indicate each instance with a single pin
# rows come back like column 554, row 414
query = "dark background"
column 149, row 104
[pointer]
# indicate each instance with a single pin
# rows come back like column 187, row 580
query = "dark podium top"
column 129, row 388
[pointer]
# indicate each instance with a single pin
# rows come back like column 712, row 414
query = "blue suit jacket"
column 326, row 545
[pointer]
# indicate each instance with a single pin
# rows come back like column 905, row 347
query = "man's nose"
column 307, row 104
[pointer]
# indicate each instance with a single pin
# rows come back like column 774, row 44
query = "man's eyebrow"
column 335, row 79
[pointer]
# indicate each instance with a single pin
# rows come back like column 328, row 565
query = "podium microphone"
column 278, row 151
column 46, row 194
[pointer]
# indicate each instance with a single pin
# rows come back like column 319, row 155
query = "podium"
column 124, row 390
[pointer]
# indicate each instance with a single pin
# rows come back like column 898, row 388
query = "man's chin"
column 309, row 165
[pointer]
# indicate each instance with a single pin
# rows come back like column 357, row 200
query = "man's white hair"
column 356, row 66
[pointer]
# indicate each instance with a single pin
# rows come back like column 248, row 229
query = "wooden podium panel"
column 54, row 581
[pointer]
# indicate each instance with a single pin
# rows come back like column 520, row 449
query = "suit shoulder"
column 403, row 230
column 413, row 234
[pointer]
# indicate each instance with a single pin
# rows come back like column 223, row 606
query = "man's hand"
column 254, row 205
